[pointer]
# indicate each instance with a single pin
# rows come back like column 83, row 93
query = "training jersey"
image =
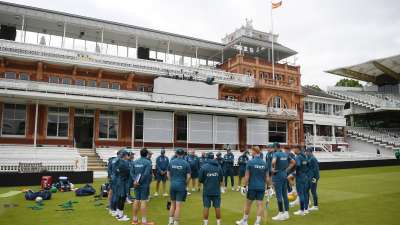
column 162, row 163
column 211, row 176
column 313, row 171
column 142, row 168
column 194, row 163
column 302, row 166
column 229, row 159
column 268, row 160
column 220, row 161
column 242, row 161
column 110, row 165
column 202, row 161
column 178, row 170
column 282, row 163
column 257, row 169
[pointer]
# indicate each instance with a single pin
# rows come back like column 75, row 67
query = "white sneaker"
column 233, row 189
column 156, row 194
column 241, row 222
column 306, row 212
column 122, row 218
column 238, row 188
column 314, row 208
column 286, row 215
column 188, row 193
column 165, row 195
column 280, row 216
column 113, row 213
column 222, row 190
column 193, row 189
column 299, row 213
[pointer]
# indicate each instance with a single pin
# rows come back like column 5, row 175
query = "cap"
column 180, row 151
column 162, row 151
column 210, row 155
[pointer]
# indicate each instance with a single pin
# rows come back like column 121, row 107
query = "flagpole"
column 272, row 31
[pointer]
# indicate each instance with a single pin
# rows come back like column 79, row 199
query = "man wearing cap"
column 256, row 180
column 220, row 161
column 111, row 179
column 211, row 176
column 141, row 173
column 120, row 191
column 229, row 159
column 313, row 175
column 281, row 165
column 179, row 175
column 194, row 163
column 162, row 163
column 130, row 179
column 302, row 180
column 242, row 162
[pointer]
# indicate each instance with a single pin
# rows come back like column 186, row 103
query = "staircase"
column 94, row 163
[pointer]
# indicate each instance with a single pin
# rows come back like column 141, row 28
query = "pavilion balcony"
column 34, row 90
column 56, row 55
column 278, row 84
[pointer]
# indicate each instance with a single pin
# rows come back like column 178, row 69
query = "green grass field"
column 354, row 196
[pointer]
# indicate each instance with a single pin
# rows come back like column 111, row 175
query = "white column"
column 36, row 125
column 197, row 60
column 23, row 28
column 167, row 53
column 173, row 130
column 222, row 56
column 187, row 130
column 133, row 129
column 315, row 133
column 333, row 134
column 102, row 40
column 213, row 131
column 63, row 37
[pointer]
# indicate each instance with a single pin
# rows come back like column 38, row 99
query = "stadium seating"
column 385, row 137
column 371, row 100
column 51, row 158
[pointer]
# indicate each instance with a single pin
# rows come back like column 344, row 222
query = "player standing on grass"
column 211, row 176
column 179, row 175
column 111, row 179
column 194, row 163
column 313, row 174
column 229, row 159
column 256, row 180
column 202, row 161
column 302, row 180
column 162, row 163
column 242, row 162
column 141, row 173
column 281, row 165
column 120, row 190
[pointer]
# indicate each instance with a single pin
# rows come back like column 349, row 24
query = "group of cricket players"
column 262, row 174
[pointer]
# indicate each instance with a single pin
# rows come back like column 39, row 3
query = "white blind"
column 157, row 127
column 257, row 131
column 226, row 130
column 200, row 129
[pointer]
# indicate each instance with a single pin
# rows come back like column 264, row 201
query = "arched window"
column 277, row 102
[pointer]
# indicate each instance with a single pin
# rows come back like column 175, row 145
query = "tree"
column 313, row 86
column 348, row 83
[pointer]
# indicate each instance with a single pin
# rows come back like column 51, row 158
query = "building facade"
column 69, row 80
column 324, row 121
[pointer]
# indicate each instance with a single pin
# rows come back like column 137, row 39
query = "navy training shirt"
column 178, row 169
column 258, row 172
column 211, row 176
column 142, row 166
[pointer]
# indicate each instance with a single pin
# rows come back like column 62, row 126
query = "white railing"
column 63, row 89
column 324, row 140
column 67, row 56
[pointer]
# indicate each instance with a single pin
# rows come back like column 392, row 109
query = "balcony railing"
column 324, row 140
column 67, row 56
column 276, row 84
column 63, row 89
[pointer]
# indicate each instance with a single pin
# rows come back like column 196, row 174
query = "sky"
column 327, row 34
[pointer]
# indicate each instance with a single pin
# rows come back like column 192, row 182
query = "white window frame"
column 2, row 121
column 58, row 114
column 269, row 125
column 108, row 117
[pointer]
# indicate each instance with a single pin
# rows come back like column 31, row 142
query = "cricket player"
column 281, row 165
column 120, row 189
column 255, row 179
column 202, row 161
column 313, row 174
column 162, row 163
column 179, row 175
column 242, row 162
column 302, row 180
column 211, row 176
column 129, row 183
column 111, row 179
column 268, row 161
column 194, row 163
column 141, row 173
column 229, row 159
